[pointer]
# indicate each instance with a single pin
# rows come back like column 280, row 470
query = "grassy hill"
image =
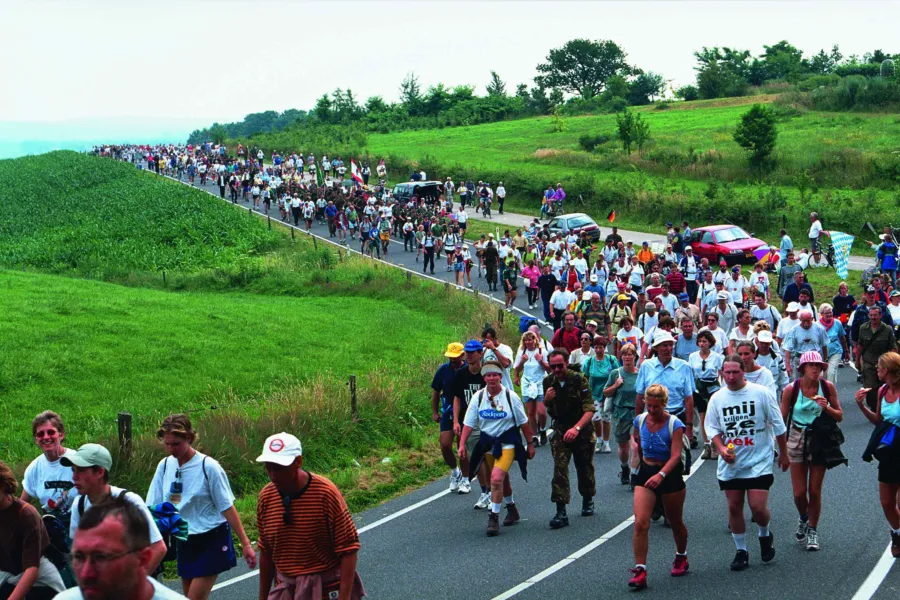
column 249, row 331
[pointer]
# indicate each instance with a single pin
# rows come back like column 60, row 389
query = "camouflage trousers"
column 582, row 451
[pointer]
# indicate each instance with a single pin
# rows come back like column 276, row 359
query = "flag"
column 842, row 244
column 611, row 216
column 320, row 177
column 354, row 173
column 381, row 169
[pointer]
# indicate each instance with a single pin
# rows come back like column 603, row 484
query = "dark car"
column 725, row 242
column 430, row 191
column 577, row 223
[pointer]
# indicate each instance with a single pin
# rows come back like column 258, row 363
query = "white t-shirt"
column 155, row 536
column 669, row 302
column 767, row 314
column 785, row 325
column 532, row 373
column 749, row 418
column 815, row 229
column 494, row 421
column 160, row 592
column 764, row 378
column 721, row 339
column 737, row 336
column 736, row 288
column 580, row 265
column 51, row 483
column 630, row 337
column 507, row 353
column 204, row 496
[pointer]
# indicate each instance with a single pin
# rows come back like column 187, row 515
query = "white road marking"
column 562, row 564
column 873, row 581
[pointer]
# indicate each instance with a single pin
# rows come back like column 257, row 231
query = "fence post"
column 783, row 221
column 315, row 243
column 124, row 421
column 269, row 220
column 446, row 286
column 409, row 277
column 354, row 413
column 293, row 231
column 164, row 278
column 250, row 211
column 340, row 256
column 500, row 316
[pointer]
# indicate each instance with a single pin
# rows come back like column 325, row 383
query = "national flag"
column 611, row 216
column 842, row 243
column 354, row 173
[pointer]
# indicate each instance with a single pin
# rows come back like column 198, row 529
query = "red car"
column 725, row 242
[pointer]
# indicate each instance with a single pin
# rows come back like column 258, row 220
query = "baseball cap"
column 650, row 306
column 735, row 269
column 473, row 346
column 591, row 322
column 454, row 350
column 686, row 248
column 895, row 293
column 722, row 296
column 88, row 455
column 491, row 366
column 586, row 296
column 594, row 278
column 281, row 449
column 621, row 297
column 764, row 336
column 683, row 296
column 871, row 288
column 644, row 244
column 661, row 337
column 792, row 307
column 621, row 285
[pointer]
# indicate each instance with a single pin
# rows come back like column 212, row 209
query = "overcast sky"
column 217, row 60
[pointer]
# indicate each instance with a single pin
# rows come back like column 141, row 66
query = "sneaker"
column 536, row 441
column 767, row 547
column 680, row 566
column 544, row 438
column 484, row 500
column 465, row 487
column 638, row 579
column 605, row 449
column 812, row 540
column 625, row 475
column 741, row 560
column 895, row 545
column 707, row 452
column 598, row 447
column 454, row 481
column 802, row 528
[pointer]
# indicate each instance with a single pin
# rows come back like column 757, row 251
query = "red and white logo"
column 276, row 445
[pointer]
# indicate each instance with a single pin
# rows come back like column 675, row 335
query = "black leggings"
column 429, row 258
column 532, row 295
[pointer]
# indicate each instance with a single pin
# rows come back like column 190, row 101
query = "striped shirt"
column 320, row 533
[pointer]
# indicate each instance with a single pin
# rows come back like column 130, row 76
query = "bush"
column 688, row 93
column 589, row 142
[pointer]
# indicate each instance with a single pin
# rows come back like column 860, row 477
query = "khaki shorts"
column 796, row 453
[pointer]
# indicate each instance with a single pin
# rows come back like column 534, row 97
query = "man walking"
column 442, row 412
column 568, row 399
column 307, row 537
column 874, row 339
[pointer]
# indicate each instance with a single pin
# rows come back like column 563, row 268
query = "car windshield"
column 579, row 222
column 723, row 236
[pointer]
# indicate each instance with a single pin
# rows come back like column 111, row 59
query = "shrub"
column 589, row 142
column 688, row 93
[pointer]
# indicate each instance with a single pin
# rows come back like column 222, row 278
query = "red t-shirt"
column 570, row 340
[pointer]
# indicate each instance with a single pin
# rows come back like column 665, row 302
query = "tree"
column 411, row 93
column 688, row 92
column 496, row 87
column 625, row 127
column 718, row 80
column 757, row 133
column 436, row 100
column 645, row 88
column 376, row 104
column 824, row 63
column 782, row 61
column 522, row 92
column 582, row 67
column 323, row 109
column 640, row 133
column 217, row 133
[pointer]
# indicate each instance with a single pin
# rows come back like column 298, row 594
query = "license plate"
column 748, row 254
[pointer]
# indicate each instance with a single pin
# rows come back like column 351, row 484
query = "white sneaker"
column 484, row 500
column 464, row 486
column 454, row 481
column 598, row 447
column 605, row 449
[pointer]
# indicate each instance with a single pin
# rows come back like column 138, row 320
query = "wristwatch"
column 578, row 429
column 662, row 474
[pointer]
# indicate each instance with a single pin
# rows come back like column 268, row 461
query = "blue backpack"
column 525, row 322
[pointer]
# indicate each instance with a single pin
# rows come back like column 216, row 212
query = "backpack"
column 81, row 502
column 525, row 322
column 685, row 442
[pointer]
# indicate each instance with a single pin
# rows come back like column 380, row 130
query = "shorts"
column 795, row 446
column 889, row 472
column 705, row 390
column 624, row 428
column 385, row 237
column 509, row 289
column 539, row 398
column 473, row 440
column 763, row 482
column 458, row 267
column 674, row 481
column 447, row 419
column 206, row 554
column 602, row 410
column 504, row 463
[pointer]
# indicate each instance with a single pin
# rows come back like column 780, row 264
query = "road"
column 431, row 544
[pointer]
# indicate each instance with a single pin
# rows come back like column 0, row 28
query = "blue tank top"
column 656, row 445
column 890, row 411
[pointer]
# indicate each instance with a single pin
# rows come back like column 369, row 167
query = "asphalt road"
column 431, row 544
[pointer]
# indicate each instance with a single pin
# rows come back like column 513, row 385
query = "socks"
column 495, row 507
column 507, row 500
column 485, row 489
column 644, row 567
column 456, row 472
column 763, row 531
column 740, row 541
column 897, row 531
column 804, row 518
column 681, row 554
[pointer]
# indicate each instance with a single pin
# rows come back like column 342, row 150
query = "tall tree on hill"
column 757, row 133
column 411, row 93
column 582, row 67
column 645, row 88
column 497, row 87
column 323, row 109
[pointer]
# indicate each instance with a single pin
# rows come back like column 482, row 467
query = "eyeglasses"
column 99, row 560
column 48, row 433
column 558, row 366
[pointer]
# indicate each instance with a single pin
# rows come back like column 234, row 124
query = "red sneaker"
column 680, row 566
column 638, row 580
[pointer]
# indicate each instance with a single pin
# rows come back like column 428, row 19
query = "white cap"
column 594, row 278
column 764, row 336
column 586, row 296
column 281, row 449
column 722, row 296
column 792, row 307
column 661, row 337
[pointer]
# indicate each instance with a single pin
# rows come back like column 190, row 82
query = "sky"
column 119, row 69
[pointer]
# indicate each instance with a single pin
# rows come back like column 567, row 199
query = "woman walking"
column 597, row 369
column 531, row 273
column 198, row 487
column 837, row 340
column 886, row 417
column 706, row 365
column 811, row 410
column 620, row 393
column 659, row 437
column 530, row 368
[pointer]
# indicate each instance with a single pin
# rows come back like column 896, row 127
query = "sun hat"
column 811, row 357
column 683, row 296
column 473, row 346
column 491, row 366
column 764, row 336
column 281, row 449
column 661, row 337
column 454, row 350
column 792, row 307
column 591, row 322
column 895, row 293
column 586, row 296
column 594, row 278
column 650, row 306
column 88, row 455
column 621, row 297
column 722, row 296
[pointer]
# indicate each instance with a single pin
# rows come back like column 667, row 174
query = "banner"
column 355, row 174
column 842, row 244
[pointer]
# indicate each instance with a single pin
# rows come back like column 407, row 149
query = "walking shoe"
column 465, row 487
column 802, row 528
column 598, row 446
column 484, row 500
column 707, row 452
column 454, row 481
column 812, row 539
column 561, row 519
column 695, row 443
column 895, row 545
column 605, row 449
column 512, row 515
column 741, row 560
column 536, row 441
column 638, row 579
column 767, row 547
column 680, row 566
column 493, row 526
column 625, row 475
column 544, row 438
column 587, row 507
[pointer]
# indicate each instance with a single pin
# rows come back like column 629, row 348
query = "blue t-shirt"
column 658, row 444
column 443, row 383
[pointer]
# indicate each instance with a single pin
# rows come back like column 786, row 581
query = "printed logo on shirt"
column 740, row 423
column 493, row 414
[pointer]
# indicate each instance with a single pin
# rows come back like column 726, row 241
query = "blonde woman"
column 530, row 368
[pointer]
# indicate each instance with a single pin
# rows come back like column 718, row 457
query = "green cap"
column 89, row 455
